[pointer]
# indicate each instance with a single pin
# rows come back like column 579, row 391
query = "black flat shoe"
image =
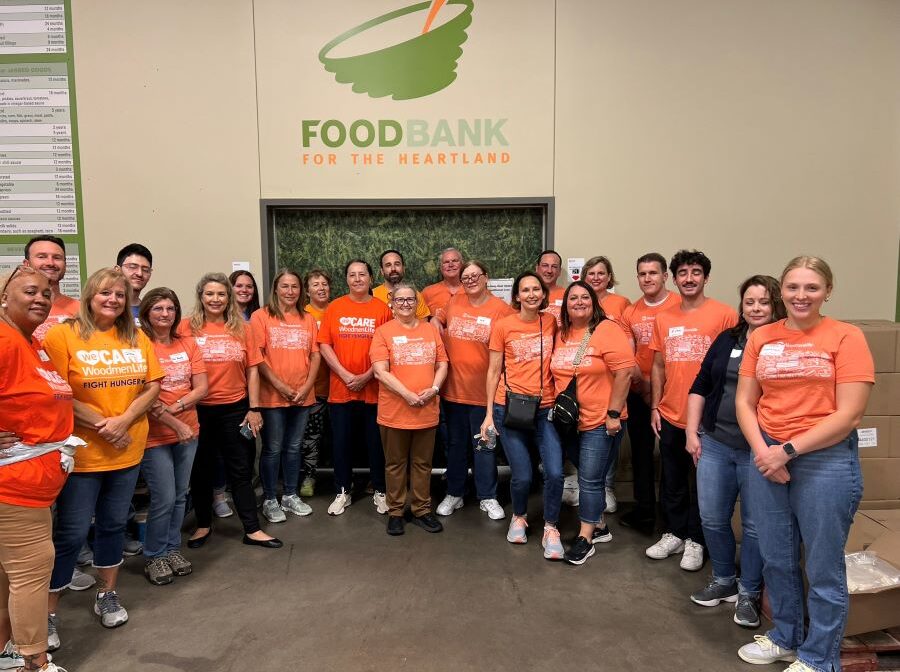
column 199, row 541
column 395, row 525
column 428, row 523
column 265, row 543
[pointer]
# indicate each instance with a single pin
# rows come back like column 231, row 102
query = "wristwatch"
column 615, row 415
column 790, row 450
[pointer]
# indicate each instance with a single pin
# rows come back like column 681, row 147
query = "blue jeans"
column 613, row 465
column 463, row 423
column 103, row 495
column 722, row 474
column 282, row 439
column 592, row 452
column 815, row 507
column 167, row 470
column 516, row 445
column 354, row 424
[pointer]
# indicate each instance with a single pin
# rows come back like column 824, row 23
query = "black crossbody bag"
column 564, row 413
column 521, row 409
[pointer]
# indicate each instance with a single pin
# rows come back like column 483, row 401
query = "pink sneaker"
column 516, row 533
column 553, row 548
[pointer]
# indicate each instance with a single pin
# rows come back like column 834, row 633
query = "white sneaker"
column 668, row 545
column 293, row 504
column 272, row 511
column 449, row 505
column 570, row 495
column 492, row 508
column 611, row 504
column 763, row 651
column 692, row 558
column 341, row 501
column 380, row 502
column 10, row 658
column 799, row 666
column 80, row 581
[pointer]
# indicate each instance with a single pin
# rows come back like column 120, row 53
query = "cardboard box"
column 877, row 531
column 875, row 435
column 880, row 504
column 881, row 478
column 885, row 397
column 894, row 450
column 883, row 337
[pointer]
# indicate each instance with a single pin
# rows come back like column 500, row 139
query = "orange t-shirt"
column 640, row 317
column 180, row 360
column 799, row 371
column 437, row 296
column 381, row 292
column 227, row 359
column 520, row 342
column 106, row 374
column 608, row 350
column 286, row 346
column 466, row 339
column 614, row 306
column 321, row 386
column 555, row 306
column 412, row 355
column 348, row 327
column 36, row 405
column 683, row 337
column 61, row 310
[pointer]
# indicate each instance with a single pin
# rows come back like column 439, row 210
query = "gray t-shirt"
column 727, row 429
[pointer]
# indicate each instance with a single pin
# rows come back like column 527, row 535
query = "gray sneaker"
column 272, row 511
column 132, row 547
column 746, row 611
column 52, row 633
column 80, row 581
column 221, row 508
column 180, row 565
column 293, row 504
column 85, row 556
column 714, row 593
column 158, row 572
column 111, row 612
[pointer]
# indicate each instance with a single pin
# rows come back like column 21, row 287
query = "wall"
column 751, row 130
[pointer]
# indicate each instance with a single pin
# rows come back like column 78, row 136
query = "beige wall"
column 751, row 130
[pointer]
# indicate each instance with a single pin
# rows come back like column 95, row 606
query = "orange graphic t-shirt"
column 412, row 355
column 286, row 346
column 36, row 404
column 640, row 317
column 556, row 303
column 521, row 343
column 227, row 359
column 321, row 387
column 180, row 360
column 348, row 327
column 683, row 337
column 798, row 372
column 437, row 296
column 106, row 374
column 466, row 339
column 608, row 350
column 61, row 310
column 614, row 306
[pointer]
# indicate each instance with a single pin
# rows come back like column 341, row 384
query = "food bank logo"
column 380, row 59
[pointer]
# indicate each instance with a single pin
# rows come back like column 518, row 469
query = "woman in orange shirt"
column 410, row 364
column 230, row 414
column 245, row 293
column 521, row 346
column 36, row 409
column 286, row 336
column 802, row 391
column 603, row 375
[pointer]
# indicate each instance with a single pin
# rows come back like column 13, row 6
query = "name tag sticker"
column 400, row 339
column 868, row 437
column 736, row 352
column 178, row 357
column 200, row 340
column 483, row 320
column 43, row 356
column 772, row 350
column 558, row 302
column 675, row 332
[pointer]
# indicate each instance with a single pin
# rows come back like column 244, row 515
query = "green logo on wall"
column 406, row 68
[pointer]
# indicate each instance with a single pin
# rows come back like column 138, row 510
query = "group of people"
column 763, row 402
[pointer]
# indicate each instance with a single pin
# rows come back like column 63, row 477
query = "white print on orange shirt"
column 796, row 360
column 564, row 356
column 555, row 309
column 56, row 382
column 528, row 347
column 178, row 374
column 289, row 337
column 413, row 352
column 643, row 330
column 368, row 322
column 467, row 327
column 44, row 327
column 106, row 363
column 690, row 346
column 220, row 348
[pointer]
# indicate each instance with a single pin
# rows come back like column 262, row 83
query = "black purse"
column 521, row 409
column 564, row 413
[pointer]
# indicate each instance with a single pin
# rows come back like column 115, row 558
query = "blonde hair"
column 607, row 264
column 84, row 321
column 234, row 322
column 815, row 264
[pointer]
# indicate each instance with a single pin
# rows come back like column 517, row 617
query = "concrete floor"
column 344, row 596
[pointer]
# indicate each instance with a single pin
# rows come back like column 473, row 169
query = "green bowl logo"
column 411, row 68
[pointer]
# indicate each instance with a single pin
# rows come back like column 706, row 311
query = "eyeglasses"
column 410, row 301
column 471, row 279
column 131, row 268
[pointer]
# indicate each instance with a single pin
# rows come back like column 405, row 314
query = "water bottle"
column 487, row 442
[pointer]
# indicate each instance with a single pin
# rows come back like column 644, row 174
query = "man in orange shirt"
column 438, row 295
column 392, row 269
column 47, row 254
column 681, row 337
column 549, row 267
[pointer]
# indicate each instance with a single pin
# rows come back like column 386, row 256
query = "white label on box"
column 868, row 437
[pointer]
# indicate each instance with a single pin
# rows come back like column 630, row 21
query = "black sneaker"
column 601, row 535
column 746, row 612
column 395, row 525
column 714, row 593
column 638, row 520
column 580, row 551
column 428, row 522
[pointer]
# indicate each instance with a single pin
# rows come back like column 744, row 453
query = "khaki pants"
column 26, row 560
column 413, row 449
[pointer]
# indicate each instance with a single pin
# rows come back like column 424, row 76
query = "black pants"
column 679, row 485
column 220, row 428
column 643, row 441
